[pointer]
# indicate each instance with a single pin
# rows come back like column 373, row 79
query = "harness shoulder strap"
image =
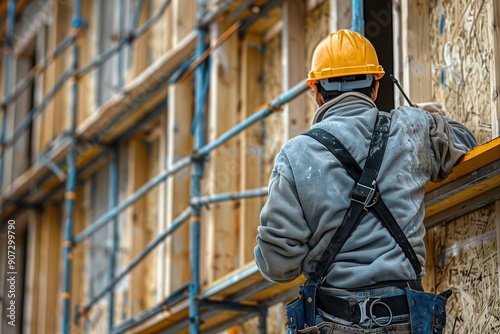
column 365, row 196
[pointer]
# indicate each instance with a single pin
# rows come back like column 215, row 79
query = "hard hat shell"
column 344, row 53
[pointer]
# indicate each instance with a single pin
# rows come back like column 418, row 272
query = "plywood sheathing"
column 462, row 55
column 466, row 260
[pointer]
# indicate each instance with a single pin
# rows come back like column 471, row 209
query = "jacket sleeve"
column 283, row 231
column 449, row 140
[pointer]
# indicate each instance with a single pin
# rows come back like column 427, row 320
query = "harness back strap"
column 365, row 196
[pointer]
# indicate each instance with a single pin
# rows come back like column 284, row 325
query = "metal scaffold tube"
column 71, row 180
column 231, row 196
column 11, row 20
column 201, row 79
column 358, row 21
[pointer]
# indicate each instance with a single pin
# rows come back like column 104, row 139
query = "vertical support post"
column 294, row 69
column 358, row 22
column 71, row 179
column 113, row 202
column 11, row 20
column 196, row 175
column 263, row 322
column 340, row 14
column 69, row 208
column 121, row 28
column 413, row 48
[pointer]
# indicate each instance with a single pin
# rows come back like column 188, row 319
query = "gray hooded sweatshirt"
column 309, row 193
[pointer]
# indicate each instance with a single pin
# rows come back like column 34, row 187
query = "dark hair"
column 331, row 94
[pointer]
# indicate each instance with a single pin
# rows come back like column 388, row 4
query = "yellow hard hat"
column 344, row 53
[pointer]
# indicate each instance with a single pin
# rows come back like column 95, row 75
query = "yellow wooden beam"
column 473, row 160
column 473, row 183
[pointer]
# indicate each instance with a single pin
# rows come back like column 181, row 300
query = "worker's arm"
column 283, row 234
column 449, row 140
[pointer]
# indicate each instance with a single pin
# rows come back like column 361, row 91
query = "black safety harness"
column 364, row 198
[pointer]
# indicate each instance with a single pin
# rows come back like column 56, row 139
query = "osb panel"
column 317, row 28
column 272, row 125
column 462, row 57
column 466, row 261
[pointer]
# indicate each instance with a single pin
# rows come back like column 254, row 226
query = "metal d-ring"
column 374, row 318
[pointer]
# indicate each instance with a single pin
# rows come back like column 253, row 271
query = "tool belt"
column 353, row 310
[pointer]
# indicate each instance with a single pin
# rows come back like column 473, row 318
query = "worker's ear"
column 318, row 97
column 375, row 91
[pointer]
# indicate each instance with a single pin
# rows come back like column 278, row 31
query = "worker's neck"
column 349, row 96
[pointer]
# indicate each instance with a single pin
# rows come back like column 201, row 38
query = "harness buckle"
column 362, row 308
column 368, row 196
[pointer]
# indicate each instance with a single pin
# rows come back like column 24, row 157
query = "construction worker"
column 366, row 279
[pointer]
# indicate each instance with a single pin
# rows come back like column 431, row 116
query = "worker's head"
column 342, row 62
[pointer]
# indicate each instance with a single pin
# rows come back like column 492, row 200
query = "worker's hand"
column 432, row 107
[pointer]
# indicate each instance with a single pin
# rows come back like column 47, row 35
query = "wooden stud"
column 151, row 230
column 61, row 100
column 415, row 50
column 174, row 269
column 161, row 268
column 31, row 285
column 251, row 149
column 137, row 157
column 49, row 270
column 22, row 107
column 429, row 281
column 184, row 15
column 223, row 169
column 340, row 14
column 38, row 94
column 294, row 68
column 86, row 84
column 179, row 144
column 140, row 48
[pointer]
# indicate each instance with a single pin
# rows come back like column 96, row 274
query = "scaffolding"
column 199, row 63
